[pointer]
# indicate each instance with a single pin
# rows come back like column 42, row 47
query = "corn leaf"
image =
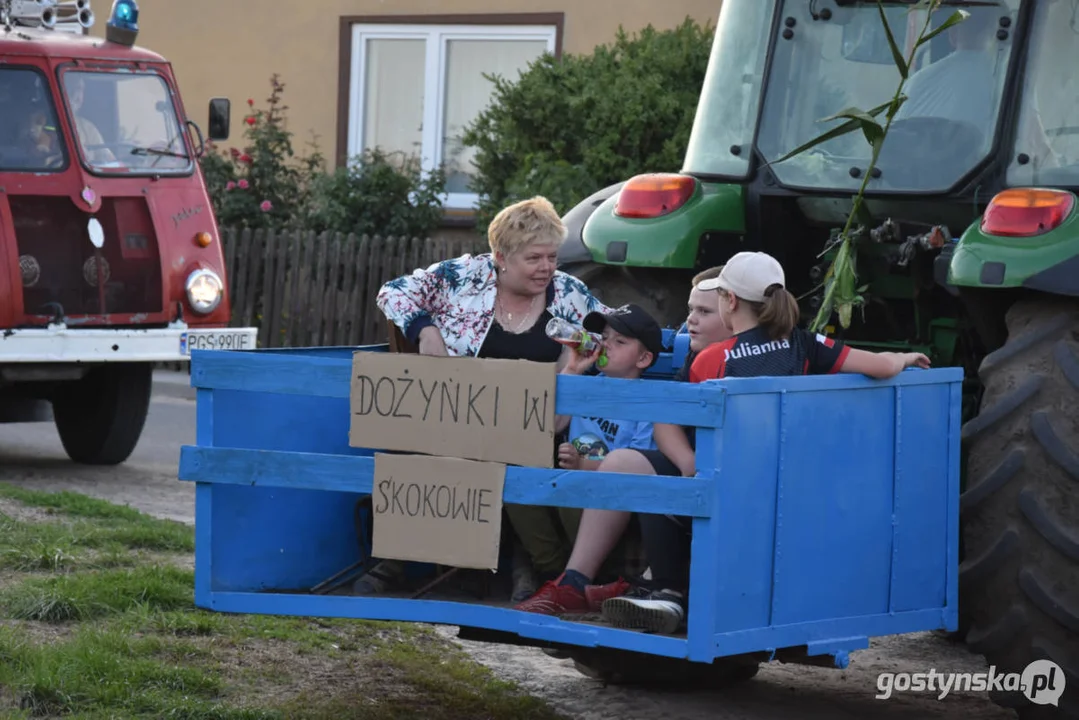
column 874, row 133
column 956, row 17
column 900, row 62
column 851, row 113
column 858, row 121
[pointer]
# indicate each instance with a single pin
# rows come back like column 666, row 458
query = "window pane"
column 468, row 93
column 30, row 137
column 393, row 96
column 1048, row 113
column 148, row 122
column 126, row 122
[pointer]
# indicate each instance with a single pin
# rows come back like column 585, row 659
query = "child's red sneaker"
column 596, row 594
column 555, row 599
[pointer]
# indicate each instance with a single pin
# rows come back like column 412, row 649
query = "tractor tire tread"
column 1020, row 578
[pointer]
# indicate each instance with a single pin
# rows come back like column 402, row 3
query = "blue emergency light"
column 123, row 25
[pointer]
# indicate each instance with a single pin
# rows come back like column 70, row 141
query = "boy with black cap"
column 632, row 340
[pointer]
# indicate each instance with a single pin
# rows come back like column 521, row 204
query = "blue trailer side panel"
column 747, row 458
column 834, row 507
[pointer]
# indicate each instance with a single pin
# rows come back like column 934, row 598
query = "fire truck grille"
column 63, row 274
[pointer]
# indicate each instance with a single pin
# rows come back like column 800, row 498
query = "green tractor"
column 965, row 238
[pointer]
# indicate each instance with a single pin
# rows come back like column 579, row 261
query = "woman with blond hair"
column 495, row 305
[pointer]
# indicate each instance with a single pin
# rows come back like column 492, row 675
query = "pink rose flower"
column 244, row 185
column 231, row 185
column 266, row 206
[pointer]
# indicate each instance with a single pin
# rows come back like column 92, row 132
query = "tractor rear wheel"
column 662, row 293
column 1019, row 581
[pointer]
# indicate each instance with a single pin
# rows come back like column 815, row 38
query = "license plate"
column 215, row 340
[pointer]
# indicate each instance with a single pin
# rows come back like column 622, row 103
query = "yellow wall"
column 230, row 48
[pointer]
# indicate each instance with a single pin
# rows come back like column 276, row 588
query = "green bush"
column 376, row 195
column 266, row 184
column 570, row 127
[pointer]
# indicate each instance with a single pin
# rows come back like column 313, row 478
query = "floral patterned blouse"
column 458, row 296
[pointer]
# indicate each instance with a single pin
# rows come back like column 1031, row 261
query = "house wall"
column 230, row 48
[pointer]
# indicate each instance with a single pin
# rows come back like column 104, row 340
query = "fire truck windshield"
column 30, row 140
column 125, row 122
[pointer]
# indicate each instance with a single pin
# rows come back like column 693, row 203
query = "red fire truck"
column 110, row 257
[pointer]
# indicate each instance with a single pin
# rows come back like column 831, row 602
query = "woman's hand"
column 431, row 342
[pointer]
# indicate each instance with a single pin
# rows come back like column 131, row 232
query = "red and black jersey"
column 754, row 354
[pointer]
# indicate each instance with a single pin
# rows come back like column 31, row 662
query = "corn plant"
column 841, row 291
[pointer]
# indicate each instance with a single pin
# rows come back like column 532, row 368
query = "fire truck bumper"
column 60, row 343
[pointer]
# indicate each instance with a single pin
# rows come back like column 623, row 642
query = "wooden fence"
column 303, row 289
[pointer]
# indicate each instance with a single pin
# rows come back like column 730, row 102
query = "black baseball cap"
column 632, row 321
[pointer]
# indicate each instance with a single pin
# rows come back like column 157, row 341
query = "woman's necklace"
column 509, row 316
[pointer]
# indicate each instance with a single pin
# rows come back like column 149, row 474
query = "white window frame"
column 437, row 38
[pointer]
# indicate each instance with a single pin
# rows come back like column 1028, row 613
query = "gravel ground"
column 31, row 456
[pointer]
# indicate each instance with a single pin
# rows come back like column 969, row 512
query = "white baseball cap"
column 747, row 275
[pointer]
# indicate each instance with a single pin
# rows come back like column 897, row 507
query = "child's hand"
column 568, row 457
column 578, row 364
column 916, row 359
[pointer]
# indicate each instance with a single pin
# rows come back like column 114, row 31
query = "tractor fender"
column 1046, row 262
column 573, row 251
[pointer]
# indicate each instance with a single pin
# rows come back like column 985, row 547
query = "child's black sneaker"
column 658, row 611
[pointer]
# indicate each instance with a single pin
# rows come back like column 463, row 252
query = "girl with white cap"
column 762, row 316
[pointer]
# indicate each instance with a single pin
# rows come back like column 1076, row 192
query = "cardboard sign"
column 437, row 509
column 492, row 410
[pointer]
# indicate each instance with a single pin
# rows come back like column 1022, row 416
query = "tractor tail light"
column 1026, row 212
column 654, row 195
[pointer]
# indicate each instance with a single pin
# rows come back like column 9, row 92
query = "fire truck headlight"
column 204, row 291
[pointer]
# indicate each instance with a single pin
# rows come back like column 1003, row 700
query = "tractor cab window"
column 126, row 122
column 722, row 136
column 30, row 140
column 826, row 62
column 1047, row 137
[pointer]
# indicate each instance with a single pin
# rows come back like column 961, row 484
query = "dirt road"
column 31, row 456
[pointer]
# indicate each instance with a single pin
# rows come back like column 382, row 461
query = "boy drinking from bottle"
column 632, row 342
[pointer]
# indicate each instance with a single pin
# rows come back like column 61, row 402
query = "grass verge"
column 97, row 621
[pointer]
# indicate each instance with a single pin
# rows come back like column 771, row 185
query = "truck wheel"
column 662, row 293
column 1020, row 579
column 622, row 667
column 100, row 417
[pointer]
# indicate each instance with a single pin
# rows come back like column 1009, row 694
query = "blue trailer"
column 825, row 509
